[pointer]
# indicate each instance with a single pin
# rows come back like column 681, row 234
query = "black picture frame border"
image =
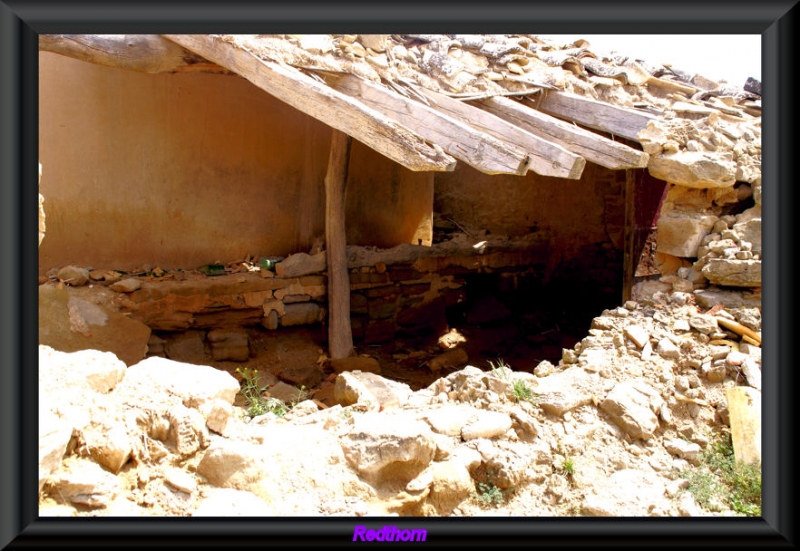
column 22, row 22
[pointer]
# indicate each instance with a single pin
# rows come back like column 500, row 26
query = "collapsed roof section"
column 504, row 104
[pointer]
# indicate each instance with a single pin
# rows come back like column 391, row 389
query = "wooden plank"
column 744, row 409
column 628, row 261
column 340, row 336
column 547, row 158
column 147, row 53
column 318, row 100
column 479, row 150
column 670, row 86
column 580, row 141
column 605, row 117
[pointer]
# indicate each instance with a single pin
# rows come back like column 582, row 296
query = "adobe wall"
column 583, row 219
column 182, row 170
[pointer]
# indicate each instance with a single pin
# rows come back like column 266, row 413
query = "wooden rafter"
column 547, row 158
column 147, row 53
column 593, row 147
column 478, row 149
column 605, row 117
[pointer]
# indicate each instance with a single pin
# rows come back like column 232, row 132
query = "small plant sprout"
column 568, row 466
column 500, row 370
column 488, row 493
column 523, row 393
column 255, row 403
column 302, row 394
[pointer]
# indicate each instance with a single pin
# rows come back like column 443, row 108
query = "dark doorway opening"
column 521, row 320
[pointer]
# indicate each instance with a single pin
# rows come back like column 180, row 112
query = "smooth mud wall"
column 182, row 170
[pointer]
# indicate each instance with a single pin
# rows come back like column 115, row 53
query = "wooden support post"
column 340, row 336
column 628, row 260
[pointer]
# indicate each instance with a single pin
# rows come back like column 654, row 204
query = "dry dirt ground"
column 403, row 359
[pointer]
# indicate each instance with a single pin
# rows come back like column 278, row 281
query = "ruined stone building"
column 488, row 176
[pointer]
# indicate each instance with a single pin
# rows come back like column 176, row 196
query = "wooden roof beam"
column 605, row 117
column 593, row 147
column 547, row 158
column 147, row 53
column 318, row 100
column 479, row 150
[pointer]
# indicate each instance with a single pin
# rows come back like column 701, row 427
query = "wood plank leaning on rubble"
column 318, row 100
column 585, row 143
column 479, row 150
column 340, row 335
column 547, row 158
column 593, row 114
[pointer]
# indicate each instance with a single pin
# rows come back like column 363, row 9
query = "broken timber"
column 615, row 120
column 547, row 158
column 340, row 336
column 318, row 100
column 481, row 151
column 593, row 147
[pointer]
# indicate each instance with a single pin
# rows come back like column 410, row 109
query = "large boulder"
column 633, row 405
column 733, row 273
column 193, row 384
column 54, row 435
column 352, row 387
column 694, row 169
column 70, row 323
column 389, row 447
column 680, row 233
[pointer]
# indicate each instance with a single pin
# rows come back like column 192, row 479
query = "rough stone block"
column 54, row 435
column 301, row 264
column 633, row 406
column 187, row 347
column 229, row 344
column 681, row 233
column 353, row 387
column 694, row 169
column 86, row 483
column 733, row 273
column 304, row 313
column 69, row 324
column 73, row 275
column 382, row 308
column 749, row 228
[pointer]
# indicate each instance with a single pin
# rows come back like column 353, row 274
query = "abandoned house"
column 375, row 188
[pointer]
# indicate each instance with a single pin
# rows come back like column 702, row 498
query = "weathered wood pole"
column 340, row 336
column 628, row 262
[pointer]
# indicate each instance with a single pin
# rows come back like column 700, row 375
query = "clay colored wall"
column 575, row 213
column 181, row 170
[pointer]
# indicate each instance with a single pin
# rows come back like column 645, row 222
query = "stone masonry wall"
column 405, row 298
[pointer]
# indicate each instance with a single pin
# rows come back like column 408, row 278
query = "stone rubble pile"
column 605, row 432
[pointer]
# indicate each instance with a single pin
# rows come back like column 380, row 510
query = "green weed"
column 499, row 370
column 568, row 466
column 719, row 478
column 523, row 393
column 488, row 493
column 255, row 403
